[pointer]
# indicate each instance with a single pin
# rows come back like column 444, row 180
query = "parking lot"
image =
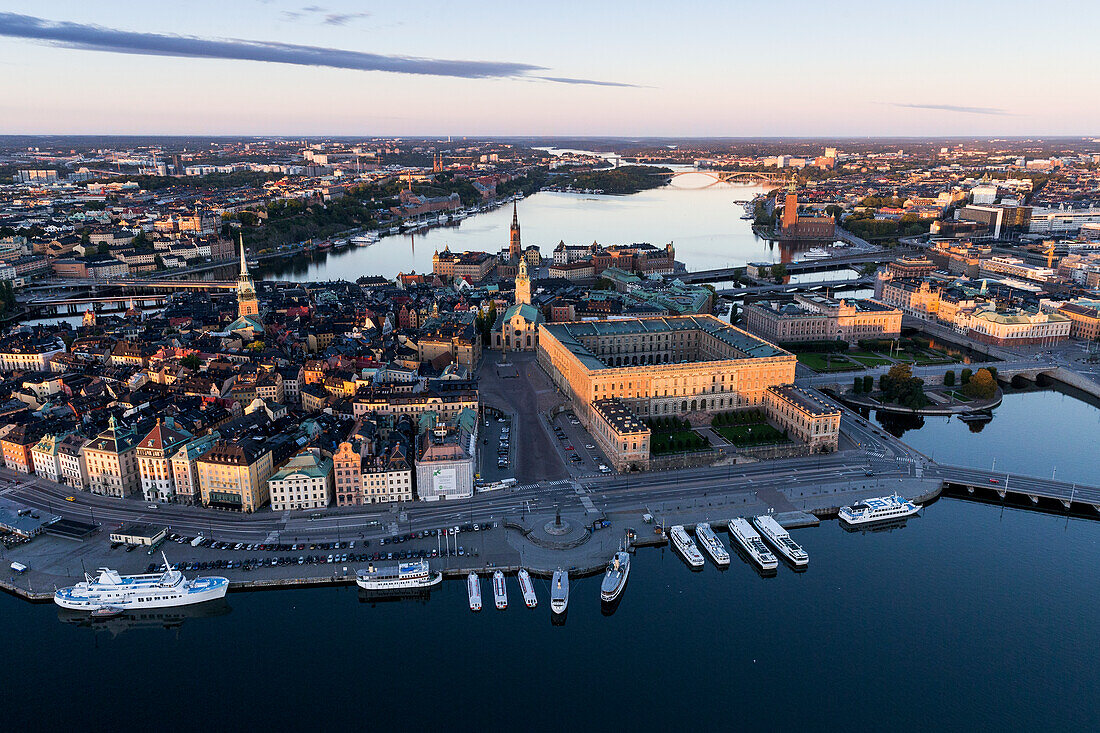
column 497, row 450
column 580, row 450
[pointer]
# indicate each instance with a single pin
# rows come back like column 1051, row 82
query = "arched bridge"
column 717, row 176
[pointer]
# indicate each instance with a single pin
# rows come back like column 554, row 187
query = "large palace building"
column 657, row 367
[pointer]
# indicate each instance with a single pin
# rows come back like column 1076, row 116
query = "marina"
column 750, row 541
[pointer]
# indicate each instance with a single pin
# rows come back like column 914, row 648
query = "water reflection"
column 149, row 618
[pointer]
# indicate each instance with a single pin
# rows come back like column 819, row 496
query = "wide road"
column 1020, row 484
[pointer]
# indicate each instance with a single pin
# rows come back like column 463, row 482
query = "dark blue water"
column 971, row 617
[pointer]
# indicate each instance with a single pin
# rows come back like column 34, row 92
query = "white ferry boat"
column 473, row 588
column 817, row 253
column 527, row 588
column 364, row 240
column 749, row 538
column 153, row 590
column 614, row 580
column 500, row 591
column 781, row 540
column 713, row 546
column 683, row 542
column 879, row 509
column 414, row 574
column 559, row 591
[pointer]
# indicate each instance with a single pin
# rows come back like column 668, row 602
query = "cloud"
column 343, row 18
column 567, row 80
column 96, row 38
column 956, row 108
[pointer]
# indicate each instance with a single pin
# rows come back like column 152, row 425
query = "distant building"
column 794, row 225
column 817, row 318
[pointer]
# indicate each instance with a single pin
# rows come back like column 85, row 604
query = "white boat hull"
column 399, row 583
column 150, row 599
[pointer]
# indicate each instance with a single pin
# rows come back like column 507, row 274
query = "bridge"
column 75, row 306
column 933, row 374
column 136, row 282
column 1038, row 491
column 839, row 262
column 860, row 282
column 717, row 176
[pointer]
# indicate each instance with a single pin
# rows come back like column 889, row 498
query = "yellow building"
column 805, row 416
column 234, row 475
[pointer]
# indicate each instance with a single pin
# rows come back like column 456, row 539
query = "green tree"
column 191, row 361
column 857, row 385
column 868, row 384
column 779, row 271
column 949, row 379
column 966, row 374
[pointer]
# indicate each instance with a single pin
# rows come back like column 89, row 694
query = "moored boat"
column 750, row 540
column 527, row 588
column 473, row 588
column 682, row 541
column 402, row 576
column 614, row 579
column 559, row 591
column 110, row 590
column 781, row 540
column 878, row 509
column 500, row 590
column 713, row 546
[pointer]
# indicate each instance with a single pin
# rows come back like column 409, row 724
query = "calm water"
column 969, row 618
column 702, row 221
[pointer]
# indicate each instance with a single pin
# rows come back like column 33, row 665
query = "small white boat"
column 500, row 592
column 781, row 540
column 614, row 579
column 559, row 592
column 713, row 546
column 473, row 588
column 527, row 588
column 749, row 539
column 683, row 542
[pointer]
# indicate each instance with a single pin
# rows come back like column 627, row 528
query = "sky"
column 631, row 69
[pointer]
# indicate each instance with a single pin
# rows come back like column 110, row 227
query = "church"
column 249, row 317
column 517, row 329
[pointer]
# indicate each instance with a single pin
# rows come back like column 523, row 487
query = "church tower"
column 515, row 250
column 247, row 302
column 790, row 207
column 523, row 284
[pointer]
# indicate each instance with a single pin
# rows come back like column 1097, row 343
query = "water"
column 701, row 218
column 971, row 617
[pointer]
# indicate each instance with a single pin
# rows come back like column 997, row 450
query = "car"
column 994, row 481
column 868, row 472
column 152, row 506
column 569, row 446
column 589, row 446
column 70, row 498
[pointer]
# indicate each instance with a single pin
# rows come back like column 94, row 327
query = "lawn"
column 757, row 434
column 826, row 362
column 676, row 441
column 871, row 361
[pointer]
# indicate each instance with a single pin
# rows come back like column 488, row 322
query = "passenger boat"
column 527, row 588
column 559, row 591
column 749, row 539
column 781, row 540
column 614, row 580
column 500, row 591
column 402, row 576
column 364, row 240
column 713, row 546
column 473, row 588
column 109, row 590
column 879, row 509
column 979, row 416
column 324, row 245
column 683, row 542
column 817, row 253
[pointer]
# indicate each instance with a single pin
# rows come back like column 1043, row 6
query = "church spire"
column 244, row 263
column 515, row 249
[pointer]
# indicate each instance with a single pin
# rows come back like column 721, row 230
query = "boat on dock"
column 365, row 240
column 559, row 592
column 402, row 576
column 473, row 589
column 527, row 588
column 614, row 579
column 878, row 509
column 500, row 591
column 780, row 539
column 682, row 541
column 713, row 546
column 109, row 591
column 750, row 540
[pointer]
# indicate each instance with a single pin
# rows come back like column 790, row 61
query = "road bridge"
column 719, row 176
column 1037, row 490
column 861, row 282
column 137, row 282
column 801, row 267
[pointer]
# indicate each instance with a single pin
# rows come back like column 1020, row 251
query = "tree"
column 857, row 385
column 779, row 271
column 900, row 386
column 966, row 374
column 981, row 386
column 191, row 361
column 949, row 379
column 868, row 384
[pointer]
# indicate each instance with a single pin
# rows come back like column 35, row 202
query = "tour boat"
column 749, row 538
column 527, row 588
column 614, row 580
column 473, row 588
column 364, row 240
column 559, row 591
column 706, row 537
column 879, row 509
column 109, row 590
column 403, row 576
column 781, row 540
column 500, row 591
column 683, row 542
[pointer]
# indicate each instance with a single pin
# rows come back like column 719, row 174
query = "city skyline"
column 570, row 70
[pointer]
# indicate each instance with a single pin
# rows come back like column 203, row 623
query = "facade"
column 793, row 225
column 447, row 404
column 817, row 318
column 154, row 453
column 347, row 475
column 24, row 355
column 184, row 466
column 17, row 445
column 1084, row 317
column 234, row 475
column 46, row 459
column 1016, row 327
column 112, row 462
column 71, row 462
column 304, row 483
column 804, row 415
column 387, row 478
column 622, row 437
column 517, row 328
